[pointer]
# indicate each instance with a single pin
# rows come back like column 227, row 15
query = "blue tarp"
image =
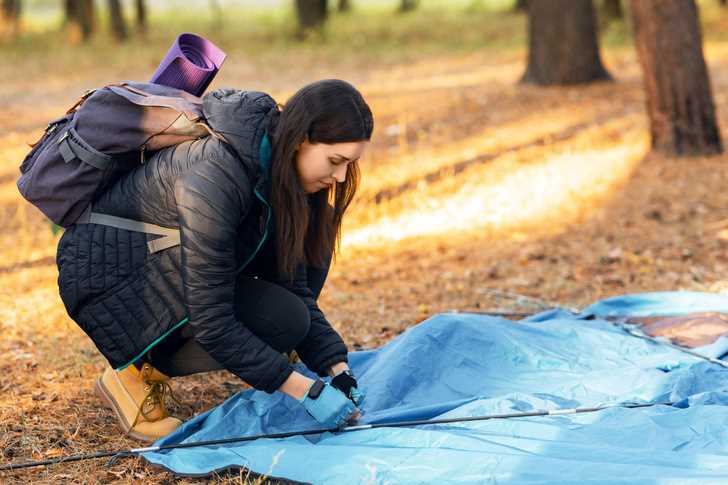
column 462, row 365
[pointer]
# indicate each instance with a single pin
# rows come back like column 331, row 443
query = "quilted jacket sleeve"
column 211, row 200
column 323, row 346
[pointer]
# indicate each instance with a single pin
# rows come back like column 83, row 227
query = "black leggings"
column 270, row 311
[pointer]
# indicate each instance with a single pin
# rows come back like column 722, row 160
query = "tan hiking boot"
column 138, row 397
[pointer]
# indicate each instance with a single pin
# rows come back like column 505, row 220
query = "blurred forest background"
column 564, row 150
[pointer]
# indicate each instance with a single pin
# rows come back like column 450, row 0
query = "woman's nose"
column 340, row 172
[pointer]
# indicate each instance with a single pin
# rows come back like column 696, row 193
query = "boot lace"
column 159, row 392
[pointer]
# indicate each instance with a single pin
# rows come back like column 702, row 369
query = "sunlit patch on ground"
column 554, row 191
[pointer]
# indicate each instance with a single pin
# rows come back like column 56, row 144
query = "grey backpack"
column 106, row 133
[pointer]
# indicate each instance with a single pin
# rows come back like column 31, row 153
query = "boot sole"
column 105, row 396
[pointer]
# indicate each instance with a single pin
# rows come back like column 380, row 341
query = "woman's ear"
column 305, row 140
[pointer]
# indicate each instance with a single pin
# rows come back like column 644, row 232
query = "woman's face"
column 320, row 165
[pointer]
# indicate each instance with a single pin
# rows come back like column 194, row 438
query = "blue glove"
column 327, row 404
column 346, row 383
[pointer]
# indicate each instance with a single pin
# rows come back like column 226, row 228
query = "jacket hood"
column 243, row 118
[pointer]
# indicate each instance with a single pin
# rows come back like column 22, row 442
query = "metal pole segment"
column 119, row 454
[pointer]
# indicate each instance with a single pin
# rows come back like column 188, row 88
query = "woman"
column 259, row 217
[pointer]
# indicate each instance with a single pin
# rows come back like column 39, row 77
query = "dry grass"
column 483, row 184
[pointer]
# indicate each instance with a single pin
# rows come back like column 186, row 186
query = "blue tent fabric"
column 463, row 365
column 659, row 304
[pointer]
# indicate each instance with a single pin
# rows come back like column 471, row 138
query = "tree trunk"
column 80, row 19
column 679, row 99
column 88, row 18
column 118, row 26
column 311, row 15
column 562, row 43
column 344, row 6
column 70, row 20
column 141, row 16
column 70, row 8
column 612, row 10
column 10, row 18
column 521, row 6
column 408, row 5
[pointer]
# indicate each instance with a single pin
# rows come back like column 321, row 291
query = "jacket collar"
column 246, row 119
column 264, row 161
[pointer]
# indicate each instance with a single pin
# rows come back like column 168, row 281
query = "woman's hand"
column 338, row 367
column 296, row 385
column 328, row 405
column 346, row 383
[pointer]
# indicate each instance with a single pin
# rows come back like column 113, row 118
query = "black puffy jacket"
column 128, row 300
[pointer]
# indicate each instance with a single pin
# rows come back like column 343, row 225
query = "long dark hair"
column 308, row 227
